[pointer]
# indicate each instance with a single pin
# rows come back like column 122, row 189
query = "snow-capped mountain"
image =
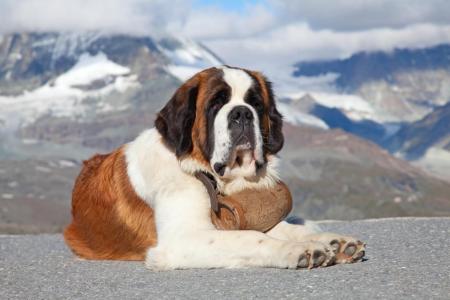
column 64, row 87
column 386, row 87
column 64, row 95
column 55, row 74
column 398, row 100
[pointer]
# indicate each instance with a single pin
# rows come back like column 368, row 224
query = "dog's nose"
column 220, row 168
column 240, row 114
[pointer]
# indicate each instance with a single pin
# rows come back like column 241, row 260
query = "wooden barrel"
column 253, row 209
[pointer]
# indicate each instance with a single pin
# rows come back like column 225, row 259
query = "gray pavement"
column 406, row 259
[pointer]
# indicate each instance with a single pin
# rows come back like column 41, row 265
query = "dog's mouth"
column 242, row 161
column 242, row 152
column 241, row 156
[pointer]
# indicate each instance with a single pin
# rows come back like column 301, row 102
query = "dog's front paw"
column 346, row 248
column 310, row 255
column 156, row 260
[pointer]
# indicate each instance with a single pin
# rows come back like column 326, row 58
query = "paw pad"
column 350, row 249
column 303, row 261
column 353, row 252
column 318, row 258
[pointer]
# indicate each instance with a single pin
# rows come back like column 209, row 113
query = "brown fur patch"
column 209, row 82
column 266, row 98
column 110, row 221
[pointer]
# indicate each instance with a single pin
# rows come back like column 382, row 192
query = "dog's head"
column 225, row 121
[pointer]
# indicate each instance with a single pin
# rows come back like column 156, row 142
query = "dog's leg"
column 292, row 232
column 346, row 248
column 235, row 249
column 187, row 239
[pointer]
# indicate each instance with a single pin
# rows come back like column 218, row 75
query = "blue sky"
column 231, row 5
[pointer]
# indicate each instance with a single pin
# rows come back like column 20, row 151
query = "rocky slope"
column 336, row 175
column 426, row 142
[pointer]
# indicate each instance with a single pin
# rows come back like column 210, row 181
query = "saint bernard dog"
column 143, row 202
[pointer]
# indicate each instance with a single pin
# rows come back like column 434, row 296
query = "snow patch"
column 64, row 97
column 66, row 163
column 188, row 58
column 13, row 184
column 42, row 169
column 8, row 196
column 90, row 68
column 72, row 44
column 296, row 117
column 355, row 107
column 437, row 161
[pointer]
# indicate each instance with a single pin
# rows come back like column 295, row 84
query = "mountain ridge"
column 376, row 65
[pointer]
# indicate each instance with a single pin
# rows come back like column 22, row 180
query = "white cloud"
column 213, row 23
column 270, row 35
column 363, row 14
column 297, row 41
column 273, row 36
column 118, row 16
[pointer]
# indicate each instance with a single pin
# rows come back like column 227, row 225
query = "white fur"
column 286, row 231
column 239, row 82
column 238, row 183
column 186, row 236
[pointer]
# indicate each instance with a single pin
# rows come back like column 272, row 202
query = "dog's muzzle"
column 240, row 123
column 242, row 137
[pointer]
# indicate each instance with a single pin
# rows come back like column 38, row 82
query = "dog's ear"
column 275, row 138
column 174, row 122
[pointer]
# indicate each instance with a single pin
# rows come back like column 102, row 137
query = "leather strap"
column 211, row 186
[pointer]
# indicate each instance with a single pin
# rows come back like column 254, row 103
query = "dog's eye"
column 218, row 101
column 255, row 100
column 215, row 107
column 257, row 104
column 220, row 97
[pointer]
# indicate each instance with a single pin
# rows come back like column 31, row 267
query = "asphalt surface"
column 406, row 259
